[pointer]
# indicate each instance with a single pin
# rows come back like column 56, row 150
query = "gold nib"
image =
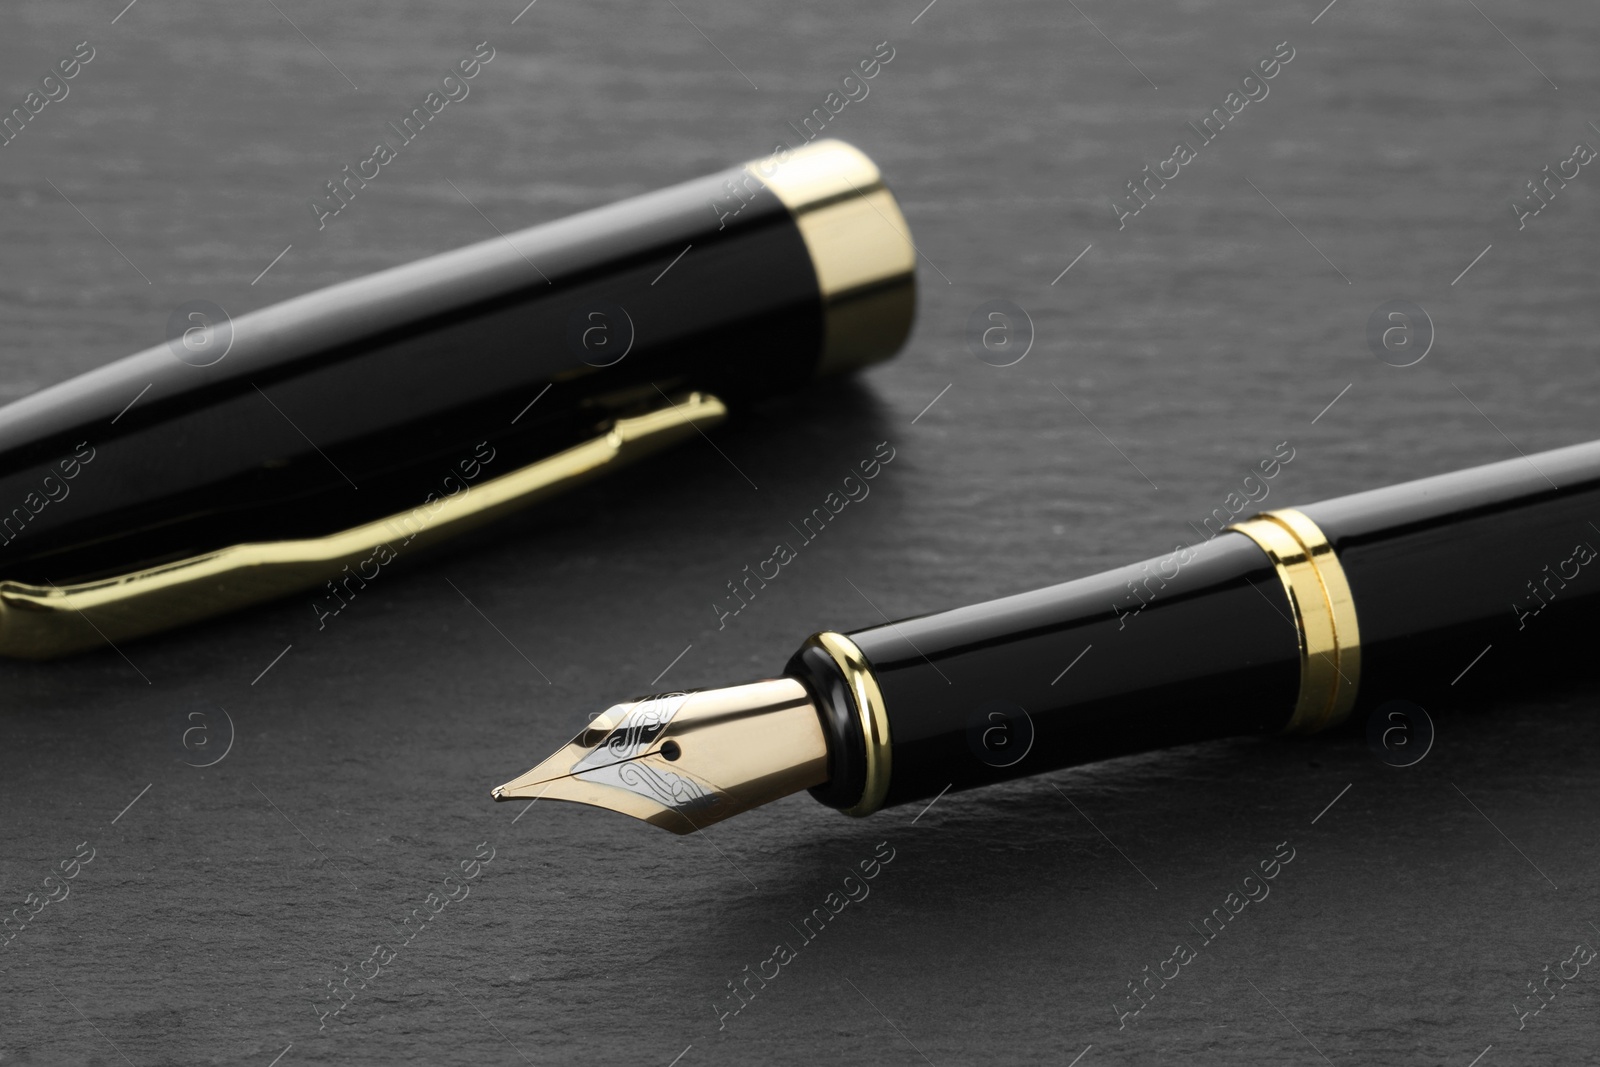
column 685, row 760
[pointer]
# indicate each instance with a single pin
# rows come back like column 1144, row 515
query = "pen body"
column 1181, row 648
column 1412, row 586
column 1500, row 560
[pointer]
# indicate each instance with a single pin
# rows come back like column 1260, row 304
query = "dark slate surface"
column 1416, row 910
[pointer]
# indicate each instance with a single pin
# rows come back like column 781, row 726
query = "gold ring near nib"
column 682, row 761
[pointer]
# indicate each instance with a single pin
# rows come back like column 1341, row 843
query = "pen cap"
column 577, row 344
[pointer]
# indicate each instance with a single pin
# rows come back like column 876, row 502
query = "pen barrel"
column 1287, row 621
column 1498, row 560
column 373, row 396
column 1194, row 645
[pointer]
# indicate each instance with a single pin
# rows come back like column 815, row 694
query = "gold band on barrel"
column 860, row 248
column 870, row 712
column 1324, row 615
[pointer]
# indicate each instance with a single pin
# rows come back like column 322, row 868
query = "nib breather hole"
column 671, row 750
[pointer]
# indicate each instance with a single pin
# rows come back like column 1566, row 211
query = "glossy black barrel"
column 1194, row 645
column 1498, row 562
column 360, row 400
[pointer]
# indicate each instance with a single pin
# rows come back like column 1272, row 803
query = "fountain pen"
column 1283, row 622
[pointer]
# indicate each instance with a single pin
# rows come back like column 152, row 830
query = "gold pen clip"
column 41, row 622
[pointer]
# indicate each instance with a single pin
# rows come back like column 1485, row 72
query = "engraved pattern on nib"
column 668, row 788
column 635, row 732
column 616, row 760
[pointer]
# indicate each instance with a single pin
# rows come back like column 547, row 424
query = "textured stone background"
column 220, row 904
